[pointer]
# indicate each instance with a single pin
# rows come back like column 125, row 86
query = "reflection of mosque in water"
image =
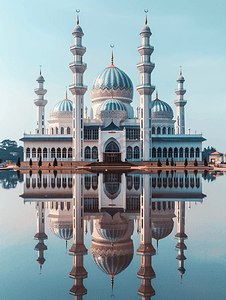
column 149, row 201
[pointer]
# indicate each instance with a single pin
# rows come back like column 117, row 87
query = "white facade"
column 112, row 133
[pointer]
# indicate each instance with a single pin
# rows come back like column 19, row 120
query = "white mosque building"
column 112, row 133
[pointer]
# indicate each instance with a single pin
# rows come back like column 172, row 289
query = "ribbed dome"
column 112, row 104
column 112, row 259
column 112, row 231
column 112, row 82
column 63, row 233
column 40, row 78
column 161, row 110
column 161, row 229
column 64, row 105
column 77, row 29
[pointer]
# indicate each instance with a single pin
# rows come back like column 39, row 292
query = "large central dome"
column 112, row 82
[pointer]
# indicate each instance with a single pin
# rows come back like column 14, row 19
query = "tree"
column 186, row 162
column 205, row 162
column 30, row 162
column 172, row 163
column 18, row 162
column 49, row 164
column 159, row 164
column 40, row 161
column 55, row 162
column 195, row 162
column 167, row 162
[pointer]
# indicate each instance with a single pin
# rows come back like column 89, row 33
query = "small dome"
column 112, row 109
column 145, row 28
column 63, row 233
column 180, row 79
column 64, row 105
column 112, row 81
column 161, row 229
column 161, row 110
column 40, row 78
column 77, row 29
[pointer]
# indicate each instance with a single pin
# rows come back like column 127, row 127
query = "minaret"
column 40, row 235
column 40, row 103
column 180, row 103
column 145, row 89
column 78, row 90
column 181, row 236
column 146, row 250
column 78, row 249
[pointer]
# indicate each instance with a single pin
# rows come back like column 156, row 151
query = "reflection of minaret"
column 181, row 236
column 146, row 250
column 78, row 249
column 40, row 235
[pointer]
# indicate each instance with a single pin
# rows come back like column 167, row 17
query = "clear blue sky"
column 184, row 32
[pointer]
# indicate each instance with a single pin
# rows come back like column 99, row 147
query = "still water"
column 128, row 236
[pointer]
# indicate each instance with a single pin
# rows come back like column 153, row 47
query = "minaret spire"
column 78, row 90
column 40, row 103
column 180, row 103
column 145, row 89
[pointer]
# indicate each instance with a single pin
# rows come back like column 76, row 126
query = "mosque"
column 112, row 132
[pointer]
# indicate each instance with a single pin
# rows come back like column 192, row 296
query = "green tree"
column 159, row 164
column 30, row 162
column 195, row 162
column 186, row 162
column 55, row 162
column 172, row 163
column 205, row 162
column 167, row 162
column 18, row 162
column 40, row 161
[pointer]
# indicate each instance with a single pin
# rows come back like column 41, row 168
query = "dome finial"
column 66, row 94
column 112, row 56
column 146, row 20
column 40, row 69
column 157, row 95
column 180, row 70
column 78, row 11
column 112, row 285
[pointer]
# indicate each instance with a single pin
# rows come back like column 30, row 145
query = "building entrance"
column 112, row 154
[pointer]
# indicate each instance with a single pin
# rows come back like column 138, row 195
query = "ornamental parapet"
column 78, row 50
column 40, row 92
column 180, row 102
column 78, row 67
column 78, row 272
column 40, row 102
column 145, row 89
column 78, row 89
column 145, row 67
column 180, row 92
column 145, row 50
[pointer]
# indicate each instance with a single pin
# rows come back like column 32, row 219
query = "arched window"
column 33, row 153
column 62, row 205
column 181, row 152
column 159, row 152
column 44, row 153
column 94, row 182
column 68, row 130
column 197, row 152
column 129, row 152
column 136, row 152
column 59, row 182
column 153, row 130
column 56, row 205
column 58, row 153
column 192, row 152
column 68, row 206
column 70, row 153
column 28, row 153
column 175, row 152
column 56, row 130
column 62, row 130
column 153, row 182
column 64, row 182
column 87, row 152
column 164, row 130
column 169, row 130
column 129, row 182
column 87, row 182
column 39, row 152
column 170, row 152
column 172, row 130
column 64, row 153
column 186, row 152
column 136, row 182
column 158, row 130
column 53, row 153
column 153, row 152
column 164, row 152
column 51, row 130
column 112, row 147
column 94, row 153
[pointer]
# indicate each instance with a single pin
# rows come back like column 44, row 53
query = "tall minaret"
column 145, row 89
column 181, row 236
column 146, row 250
column 78, row 249
column 180, row 103
column 40, row 235
column 40, row 103
column 78, row 90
